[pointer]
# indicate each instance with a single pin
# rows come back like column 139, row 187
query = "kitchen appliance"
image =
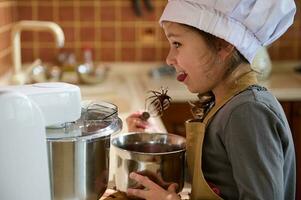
column 159, row 156
column 73, row 163
column 79, row 152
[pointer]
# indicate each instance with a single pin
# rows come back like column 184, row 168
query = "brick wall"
column 7, row 17
column 109, row 27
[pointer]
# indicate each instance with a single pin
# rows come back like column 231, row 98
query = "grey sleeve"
column 255, row 151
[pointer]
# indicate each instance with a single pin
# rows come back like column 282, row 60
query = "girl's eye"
column 176, row 44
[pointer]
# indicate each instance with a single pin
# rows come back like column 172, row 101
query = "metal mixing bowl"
column 159, row 156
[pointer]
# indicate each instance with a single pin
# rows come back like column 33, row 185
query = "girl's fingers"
column 173, row 187
column 146, row 182
column 135, row 115
column 134, row 123
column 143, row 180
column 137, row 193
column 152, row 190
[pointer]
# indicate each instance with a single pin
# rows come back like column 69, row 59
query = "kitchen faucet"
column 19, row 77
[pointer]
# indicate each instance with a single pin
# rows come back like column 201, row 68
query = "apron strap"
column 240, row 85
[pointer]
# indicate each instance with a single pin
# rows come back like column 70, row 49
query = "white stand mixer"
column 25, row 111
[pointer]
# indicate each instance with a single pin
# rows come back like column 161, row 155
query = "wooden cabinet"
column 176, row 115
column 293, row 113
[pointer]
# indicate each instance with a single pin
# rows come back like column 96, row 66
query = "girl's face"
column 197, row 65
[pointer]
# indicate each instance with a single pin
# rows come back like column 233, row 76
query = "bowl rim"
column 115, row 138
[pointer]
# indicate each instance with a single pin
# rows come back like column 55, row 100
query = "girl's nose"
column 170, row 60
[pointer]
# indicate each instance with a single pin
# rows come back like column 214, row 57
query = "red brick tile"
column 69, row 34
column 128, row 54
column 6, row 15
column 87, row 34
column 164, row 54
column 149, row 15
column 148, row 54
column 66, row 13
column 5, row 63
column 27, row 36
column 15, row 13
column 87, row 13
column 45, row 13
column 128, row 34
column 107, row 13
column 2, row 16
column 44, row 36
column 128, row 14
column 161, row 35
column 107, row 54
column 27, row 54
column 5, row 39
column 107, row 34
column 25, row 12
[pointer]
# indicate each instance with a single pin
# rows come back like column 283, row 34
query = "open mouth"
column 181, row 76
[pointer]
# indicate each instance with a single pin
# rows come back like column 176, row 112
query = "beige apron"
column 195, row 135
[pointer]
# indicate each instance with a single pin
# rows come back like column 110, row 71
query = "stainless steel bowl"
column 159, row 156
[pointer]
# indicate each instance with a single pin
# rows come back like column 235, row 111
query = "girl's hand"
column 135, row 123
column 153, row 191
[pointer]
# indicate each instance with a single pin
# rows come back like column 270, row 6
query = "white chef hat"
column 246, row 24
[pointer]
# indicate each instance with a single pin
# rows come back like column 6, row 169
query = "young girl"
column 239, row 146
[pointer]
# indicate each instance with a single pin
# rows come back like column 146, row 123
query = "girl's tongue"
column 181, row 76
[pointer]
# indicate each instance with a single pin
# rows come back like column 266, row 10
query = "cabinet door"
column 293, row 114
column 175, row 116
column 287, row 107
column 296, row 121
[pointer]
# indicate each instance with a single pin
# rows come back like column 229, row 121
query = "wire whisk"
column 156, row 103
column 99, row 111
column 97, row 116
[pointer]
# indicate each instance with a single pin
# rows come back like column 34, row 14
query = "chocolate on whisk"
column 156, row 103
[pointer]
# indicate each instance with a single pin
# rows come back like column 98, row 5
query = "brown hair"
column 236, row 58
column 205, row 101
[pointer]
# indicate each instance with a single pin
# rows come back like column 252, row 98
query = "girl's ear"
column 224, row 49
